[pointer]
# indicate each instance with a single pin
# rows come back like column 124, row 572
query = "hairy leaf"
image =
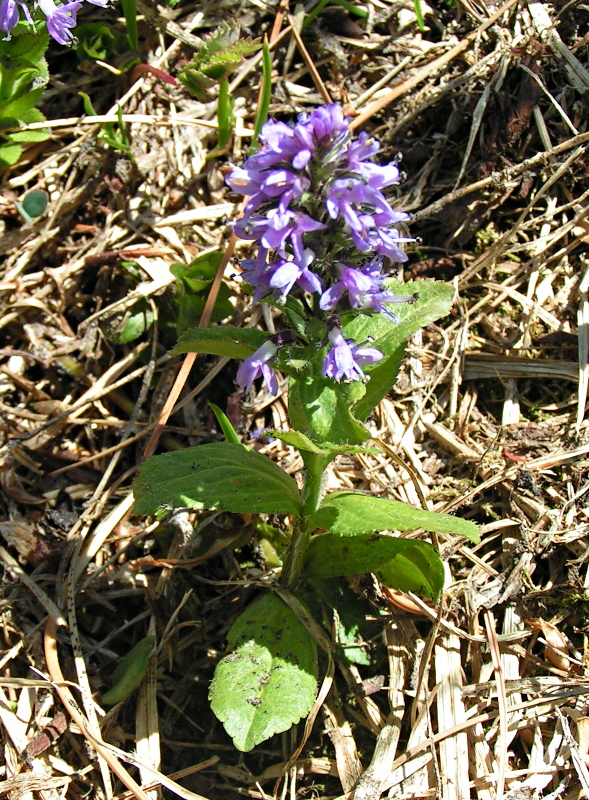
column 434, row 301
column 223, row 341
column 219, row 54
column 404, row 564
column 267, row 681
column 350, row 513
column 222, row 475
column 321, row 410
column 302, row 442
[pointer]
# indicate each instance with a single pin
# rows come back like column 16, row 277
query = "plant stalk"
column 299, row 541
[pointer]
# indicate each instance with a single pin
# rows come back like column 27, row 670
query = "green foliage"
column 302, row 442
column 352, row 628
column 434, row 300
column 419, row 14
column 405, row 564
column 350, row 513
column 268, row 680
column 226, row 341
column 228, row 430
column 130, row 12
column 192, row 290
column 222, row 476
column 112, row 135
column 98, row 41
column 133, row 324
column 23, row 74
column 320, row 409
column 225, row 115
column 265, row 94
column 220, row 53
column 34, row 203
column 130, row 671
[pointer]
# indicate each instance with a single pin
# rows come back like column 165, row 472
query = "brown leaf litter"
column 484, row 695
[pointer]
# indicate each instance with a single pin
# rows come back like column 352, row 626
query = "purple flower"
column 345, row 359
column 9, row 16
column 278, row 229
column 257, row 364
column 288, row 273
column 366, row 290
column 61, row 19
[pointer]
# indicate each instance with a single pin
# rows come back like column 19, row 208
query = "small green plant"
column 218, row 56
column 192, row 288
column 323, row 228
column 23, row 75
column 113, row 135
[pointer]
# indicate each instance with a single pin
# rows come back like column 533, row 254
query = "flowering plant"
column 325, row 235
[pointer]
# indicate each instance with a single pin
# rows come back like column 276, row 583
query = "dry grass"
column 484, row 696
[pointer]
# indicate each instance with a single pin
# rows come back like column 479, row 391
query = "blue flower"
column 256, row 365
column 345, row 359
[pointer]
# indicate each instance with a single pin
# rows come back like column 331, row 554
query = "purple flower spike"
column 257, row 364
column 345, row 359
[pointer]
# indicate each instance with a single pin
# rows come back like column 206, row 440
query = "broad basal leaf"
column 267, row 681
column 405, row 564
column 223, row 341
column 222, row 475
column 350, row 513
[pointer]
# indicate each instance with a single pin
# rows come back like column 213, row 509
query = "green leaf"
column 228, row 430
column 223, row 341
column 200, row 272
column 405, row 564
column 382, row 379
column 354, row 628
column 22, row 109
column 129, row 672
column 9, row 154
column 191, row 307
column 434, row 301
column 219, row 54
column 223, row 476
column 302, row 442
column 130, row 12
column 225, row 115
column 134, row 325
column 268, row 680
column 265, row 94
column 321, row 410
column 35, row 202
column 95, row 40
column 350, row 513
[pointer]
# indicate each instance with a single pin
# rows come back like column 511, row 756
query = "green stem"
column 299, row 541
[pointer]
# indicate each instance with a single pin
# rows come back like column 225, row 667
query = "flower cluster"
column 323, row 225
column 60, row 19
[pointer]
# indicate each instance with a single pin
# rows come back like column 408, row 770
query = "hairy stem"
column 301, row 534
